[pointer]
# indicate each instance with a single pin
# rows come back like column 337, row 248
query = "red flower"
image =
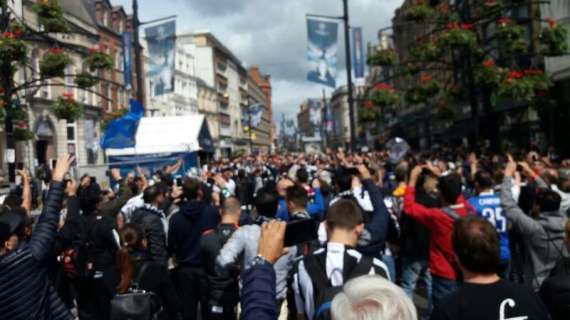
column 551, row 22
column 93, row 51
column 9, row 35
column 383, row 86
column 490, row 2
column 18, row 31
column 515, row 75
column 426, row 78
column 504, row 21
column 453, row 25
column 56, row 50
column 369, row 104
column 489, row 63
column 541, row 93
column 68, row 95
column 467, row 26
column 2, row 91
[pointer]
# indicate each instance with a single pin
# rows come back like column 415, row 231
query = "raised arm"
column 231, row 250
column 411, row 208
column 377, row 226
column 114, row 206
column 45, row 232
column 317, row 208
column 26, row 191
column 525, row 224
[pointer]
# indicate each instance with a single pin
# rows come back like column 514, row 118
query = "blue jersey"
column 488, row 206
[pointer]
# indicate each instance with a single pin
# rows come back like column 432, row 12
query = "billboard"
column 161, row 42
column 322, row 51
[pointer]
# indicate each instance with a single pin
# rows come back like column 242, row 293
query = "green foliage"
column 53, row 63
column 384, row 57
column 67, row 108
column 97, row 60
column 12, row 48
column 85, row 80
column 553, row 40
column 426, row 51
column 384, row 95
column 420, row 11
column 457, row 36
column 490, row 74
column 524, row 85
column 22, row 134
column 368, row 113
column 51, row 16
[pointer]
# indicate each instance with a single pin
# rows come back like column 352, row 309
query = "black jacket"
column 223, row 284
column 155, row 279
column 25, row 290
column 186, row 228
column 150, row 220
column 555, row 290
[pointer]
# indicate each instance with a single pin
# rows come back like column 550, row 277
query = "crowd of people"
column 335, row 235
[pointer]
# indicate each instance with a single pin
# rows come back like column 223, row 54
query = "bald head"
column 231, row 206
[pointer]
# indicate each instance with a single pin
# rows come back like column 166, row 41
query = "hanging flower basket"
column 51, row 16
column 413, row 96
column 507, row 30
column 98, row 60
column 22, row 134
column 426, row 51
column 368, row 113
column 384, row 95
column 85, row 80
column 53, row 63
column 420, row 11
column 12, row 48
column 458, row 35
column 428, row 86
column 17, row 113
column 490, row 74
column 492, row 6
column 384, row 57
column 524, row 85
column 553, row 39
column 67, row 108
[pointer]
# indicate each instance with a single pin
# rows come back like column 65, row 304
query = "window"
column 71, row 138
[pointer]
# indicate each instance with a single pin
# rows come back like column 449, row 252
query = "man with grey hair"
column 372, row 297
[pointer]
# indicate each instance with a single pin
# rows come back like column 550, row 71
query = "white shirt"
column 131, row 206
column 303, row 286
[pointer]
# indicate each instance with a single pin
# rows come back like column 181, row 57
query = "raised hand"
column 271, row 240
column 62, row 167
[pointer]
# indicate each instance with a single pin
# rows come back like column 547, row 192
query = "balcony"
column 223, row 98
column 225, row 131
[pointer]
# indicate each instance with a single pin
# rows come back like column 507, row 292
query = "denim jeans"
column 412, row 271
column 391, row 265
column 441, row 288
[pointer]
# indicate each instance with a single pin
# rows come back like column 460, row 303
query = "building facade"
column 258, row 120
column 183, row 100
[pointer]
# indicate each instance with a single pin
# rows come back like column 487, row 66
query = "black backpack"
column 77, row 260
column 136, row 304
column 323, row 290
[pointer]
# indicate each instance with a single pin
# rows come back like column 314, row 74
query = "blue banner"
column 256, row 112
column 152, row 163
column 128, row 60
column 161, row 41
column 121, row 133
column 322, row 50
column 358, row 58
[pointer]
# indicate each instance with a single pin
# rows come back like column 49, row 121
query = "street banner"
column 127, row 60
column 256, row 112
column 316, row 116
column 161, row 41
column 322, row 50
column 358, row 58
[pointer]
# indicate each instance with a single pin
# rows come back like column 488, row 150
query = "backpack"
column 136, row 304
column 77, row 260
column 324, row 291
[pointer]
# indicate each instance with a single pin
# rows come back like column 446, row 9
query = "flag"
column 127, row 60
column 358, row 58
column 161, row 41
column 322, row 50
column 120, row 133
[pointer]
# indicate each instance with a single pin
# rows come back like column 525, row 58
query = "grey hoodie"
column 544, row 236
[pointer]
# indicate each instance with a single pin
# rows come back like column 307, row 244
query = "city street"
column 294, row 159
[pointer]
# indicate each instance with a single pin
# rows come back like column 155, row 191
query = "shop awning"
column 161, row 135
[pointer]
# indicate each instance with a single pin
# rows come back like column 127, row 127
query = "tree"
column 16, row 39
column 472, row 51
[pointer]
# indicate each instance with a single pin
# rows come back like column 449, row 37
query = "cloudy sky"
column 272, row 34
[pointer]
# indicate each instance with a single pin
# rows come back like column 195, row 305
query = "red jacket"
column 441, row 258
